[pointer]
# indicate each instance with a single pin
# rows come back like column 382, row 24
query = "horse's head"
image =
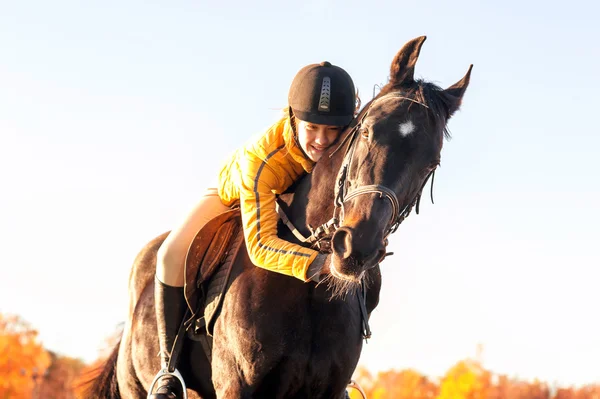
column 393, row 147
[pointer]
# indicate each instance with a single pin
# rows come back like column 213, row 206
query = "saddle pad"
column 207, row 251
column 219, row 283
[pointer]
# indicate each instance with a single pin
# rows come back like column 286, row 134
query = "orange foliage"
column 366, row 382
column 28, row 371
column 23, row 360
column 466, row 380
column 60, row 378
column 513, row 389
column 405, row 384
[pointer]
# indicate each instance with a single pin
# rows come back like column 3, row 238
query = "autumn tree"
column 365, row 380
column 405, row 384
column 588, row 392
column 60, row 377
column 508, row 388
column 466, row 380
column 585, row 392
column 23, row 360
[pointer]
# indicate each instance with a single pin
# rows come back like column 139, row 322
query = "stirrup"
column 354, row 385
column 164, row 373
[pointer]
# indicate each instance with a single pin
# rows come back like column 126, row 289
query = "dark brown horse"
column 278, row 337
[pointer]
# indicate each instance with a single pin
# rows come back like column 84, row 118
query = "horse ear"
column 402, row 70
column 455, row 93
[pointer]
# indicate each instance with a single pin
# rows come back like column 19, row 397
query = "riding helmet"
column 323, row 94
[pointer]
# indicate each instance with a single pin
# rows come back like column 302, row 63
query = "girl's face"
column 315, row 139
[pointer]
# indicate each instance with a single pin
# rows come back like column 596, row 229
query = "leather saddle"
column 209, row 250
column 210, row 256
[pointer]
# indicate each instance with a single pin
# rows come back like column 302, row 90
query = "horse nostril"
column 342, row 242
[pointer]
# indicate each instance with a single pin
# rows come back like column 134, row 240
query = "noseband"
column 321, row 236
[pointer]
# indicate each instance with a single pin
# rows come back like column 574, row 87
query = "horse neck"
column 321, row 193
column 312, row 201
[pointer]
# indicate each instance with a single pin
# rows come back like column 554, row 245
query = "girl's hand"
column 319, row 268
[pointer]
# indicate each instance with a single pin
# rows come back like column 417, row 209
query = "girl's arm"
column 259, row 220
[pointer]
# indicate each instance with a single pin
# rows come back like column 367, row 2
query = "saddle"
column 208, row 266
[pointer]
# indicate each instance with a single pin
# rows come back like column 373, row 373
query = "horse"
column 279, row 337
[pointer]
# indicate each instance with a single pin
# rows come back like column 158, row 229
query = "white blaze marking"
column 406, row 128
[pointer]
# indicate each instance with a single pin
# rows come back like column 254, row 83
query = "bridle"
column 321, row 236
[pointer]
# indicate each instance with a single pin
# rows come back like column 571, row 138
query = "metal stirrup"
column 163, row 373
column 354, row 385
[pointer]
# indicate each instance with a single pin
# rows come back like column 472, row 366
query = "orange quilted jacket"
column 253, row 175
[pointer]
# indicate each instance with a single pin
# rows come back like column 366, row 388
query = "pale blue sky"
column 115, row 115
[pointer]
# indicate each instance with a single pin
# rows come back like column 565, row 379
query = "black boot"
column 170, row 310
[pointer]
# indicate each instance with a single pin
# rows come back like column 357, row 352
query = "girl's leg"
column 170, row 260
column 168, row 286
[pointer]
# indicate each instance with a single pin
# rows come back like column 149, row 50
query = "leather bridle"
column 321, row 236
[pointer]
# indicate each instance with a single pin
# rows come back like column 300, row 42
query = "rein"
column 321, row 236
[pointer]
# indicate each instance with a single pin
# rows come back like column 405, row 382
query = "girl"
column 322, row 101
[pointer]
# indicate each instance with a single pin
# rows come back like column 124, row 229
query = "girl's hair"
column 287, row 112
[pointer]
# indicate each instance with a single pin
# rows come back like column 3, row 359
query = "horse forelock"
column 432, row 96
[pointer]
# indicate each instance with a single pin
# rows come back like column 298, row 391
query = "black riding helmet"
column 323, row 94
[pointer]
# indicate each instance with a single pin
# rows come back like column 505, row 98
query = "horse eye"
column 364, row 132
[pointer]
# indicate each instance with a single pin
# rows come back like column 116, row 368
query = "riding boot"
column 170, row 310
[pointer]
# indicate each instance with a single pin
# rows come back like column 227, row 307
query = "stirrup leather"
column 163, row 373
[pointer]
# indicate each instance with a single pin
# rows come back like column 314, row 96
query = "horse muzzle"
column 355, row 254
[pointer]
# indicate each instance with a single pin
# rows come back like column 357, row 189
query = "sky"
column 116, row 115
